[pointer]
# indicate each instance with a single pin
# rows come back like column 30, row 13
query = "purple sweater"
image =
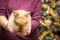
column 34, row 6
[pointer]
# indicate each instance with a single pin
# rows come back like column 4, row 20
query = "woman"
column 6, row 7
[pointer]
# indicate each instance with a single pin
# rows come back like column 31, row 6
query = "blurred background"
column 49, row 28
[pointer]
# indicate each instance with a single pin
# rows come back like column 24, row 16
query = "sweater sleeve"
column 3, row 7
column 36, row 16
column 3, row 11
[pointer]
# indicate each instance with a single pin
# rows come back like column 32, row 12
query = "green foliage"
column 48, row 31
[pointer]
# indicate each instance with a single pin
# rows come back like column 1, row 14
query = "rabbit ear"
column 28, row 11
column 15, row 14
column 26, row 15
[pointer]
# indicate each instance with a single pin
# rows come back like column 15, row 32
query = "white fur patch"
column 13, row 27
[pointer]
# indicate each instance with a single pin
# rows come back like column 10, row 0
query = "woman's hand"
column 3, row 22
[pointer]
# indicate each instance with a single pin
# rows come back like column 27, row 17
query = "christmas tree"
column 50, row 20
